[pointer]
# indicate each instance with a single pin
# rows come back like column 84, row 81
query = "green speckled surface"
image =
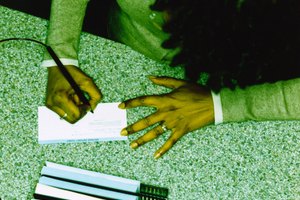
column 230, row 161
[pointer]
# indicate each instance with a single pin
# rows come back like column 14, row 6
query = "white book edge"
column 42, row 189
column 93, row 173
column 84, row 189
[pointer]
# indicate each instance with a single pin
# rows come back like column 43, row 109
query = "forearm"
column 65, row 26
column 277, row 101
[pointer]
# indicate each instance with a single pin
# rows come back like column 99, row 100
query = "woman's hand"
column 61, row 97
column 188, row 107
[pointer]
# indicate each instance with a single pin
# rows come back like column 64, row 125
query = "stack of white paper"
column 104, row 124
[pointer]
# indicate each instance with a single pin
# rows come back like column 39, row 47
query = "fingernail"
column 121, row 105
column 124, row 132
column 134, row 145
column 151, row 77
column 157, row 155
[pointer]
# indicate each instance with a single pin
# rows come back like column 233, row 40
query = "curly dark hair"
column 235, row 42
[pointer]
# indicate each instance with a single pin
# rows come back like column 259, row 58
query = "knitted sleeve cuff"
column 217, row 108
column 65, row 61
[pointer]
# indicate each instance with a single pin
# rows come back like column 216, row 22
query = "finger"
column 168, row 144
column 77, row 100
column 151, row 100
column 74, row 113
column 142, row 124
column 152, row 134
column 58, row 111
column 169, row 82
column 93, row 91
column 62, row 114
column 82, row 107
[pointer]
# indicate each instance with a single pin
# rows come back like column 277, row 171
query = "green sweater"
column 134, row 24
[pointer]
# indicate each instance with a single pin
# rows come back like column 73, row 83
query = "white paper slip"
column 104, row 124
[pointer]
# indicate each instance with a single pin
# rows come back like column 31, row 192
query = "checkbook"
column 104, row 124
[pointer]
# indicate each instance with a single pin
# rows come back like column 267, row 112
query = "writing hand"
column 62, row 99
column 188, row 107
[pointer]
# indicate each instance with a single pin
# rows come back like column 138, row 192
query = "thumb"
column 168, row 82
column 93, row 92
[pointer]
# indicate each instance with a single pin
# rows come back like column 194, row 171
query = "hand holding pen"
column 64, row 100
column 70, row 92
column 73, row 95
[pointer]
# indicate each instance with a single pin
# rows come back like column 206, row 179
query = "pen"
column 61, row 67
column 69, row 78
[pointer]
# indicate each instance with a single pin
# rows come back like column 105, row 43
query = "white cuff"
column 65, row 61
column 217, row 108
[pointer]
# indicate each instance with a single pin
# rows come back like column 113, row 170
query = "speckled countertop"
column 230, row 161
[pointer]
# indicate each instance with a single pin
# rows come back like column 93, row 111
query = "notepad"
column 104, row 124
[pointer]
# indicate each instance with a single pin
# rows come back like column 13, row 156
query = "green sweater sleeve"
column 65, row 26
column 276, row 101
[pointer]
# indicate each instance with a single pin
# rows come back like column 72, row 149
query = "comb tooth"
column 150, row 192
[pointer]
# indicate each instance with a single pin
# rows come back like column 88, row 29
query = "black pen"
column 69, row 78
column 61, row 67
